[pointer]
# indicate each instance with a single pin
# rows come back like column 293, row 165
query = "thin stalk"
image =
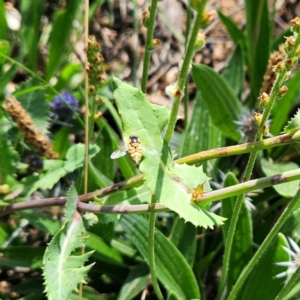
column 274, row 231
column 148, row 46
column 86, row 142
column 151, row 232
column 186, row 88
column 287, row 287
column 182, row 77
column 208, row 197
column 134, row 43
column 281, row 77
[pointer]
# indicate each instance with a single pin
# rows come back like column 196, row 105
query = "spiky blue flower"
column 61, row 106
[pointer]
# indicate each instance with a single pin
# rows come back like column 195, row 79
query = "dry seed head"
column 283, row 90
column 31, row 133
column 296, row 25
column 279, row 68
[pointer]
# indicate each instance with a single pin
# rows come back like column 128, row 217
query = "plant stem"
column 148, row 46
column 212, row 196
column 274, row 95
column 151, row 232
column 274, row 231
column 287, row 287
column 182, row 77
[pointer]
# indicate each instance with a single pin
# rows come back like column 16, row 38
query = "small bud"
column 200, row 40
column 146, row 17
column 173, row 92
column 264, row 100
column 283, row 90
column 279, row 68
column 98, row 115
column 4, row 189
column 208, row 18
column 289, row 43
column 296, row 25
column 101, row 79
column 265, row 130
column 92, row 89
column 99, row 100
column 154, row 44
column 289, row 63
column 258, row 118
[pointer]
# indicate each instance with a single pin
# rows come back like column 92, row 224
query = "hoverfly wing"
column 119, row 153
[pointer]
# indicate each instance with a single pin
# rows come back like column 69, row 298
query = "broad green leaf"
column 60, row 36
column 291, row 226
column 135, row 283
column 201, row 133
column 172, row 269
column 5, row 232
column 236, row 34
column 97, row 178
column 55, row 169
column 234, row 72
column 3, row 23
column 41, row 221
column 8, row 162
column 258, row 43
column 136, row 195
column 183, row 236
column 4, row 48
column 293, row 124
column 261, row 283
column 61, row 141
column 282, row 108
column 31, row 12
column 171, row 184
column 286, row 189
column 22, row 256
column 62, row 270
column 242, row 242
column 102, row 160
column 221, row 101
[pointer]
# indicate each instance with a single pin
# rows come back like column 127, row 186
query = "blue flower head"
column 59, row 107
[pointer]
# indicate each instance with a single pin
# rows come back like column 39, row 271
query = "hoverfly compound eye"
column 134, row 138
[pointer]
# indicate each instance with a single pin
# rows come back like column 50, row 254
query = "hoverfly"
column 134, row 149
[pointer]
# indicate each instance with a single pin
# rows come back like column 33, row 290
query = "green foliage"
column 171, row 184
column 199, row 251
column 222, row 103
column 62, row 270
column 172, row 269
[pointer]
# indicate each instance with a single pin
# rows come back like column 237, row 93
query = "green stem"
column 148, row 46
column 281, row 77
column 182, row 77
column 287, row 287
column 274, row 231
column 151, row 232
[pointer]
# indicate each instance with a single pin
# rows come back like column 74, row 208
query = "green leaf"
column 31, row 12
column 22, row 256
column 3, row 23
column 136, row 282
column 55, row 169
column 258, row 42
column 183, row 236
column 63, row 271
column 171, row 184
column 41, row 221
column 234, row 72
column 201, row 133
column 60, row 36
column 288, row 189
column 221, row 101
column 4, row 48
column 282, row 108
column 236, row 34
column 172, row 269
column 242, row 241
column 261, row 283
